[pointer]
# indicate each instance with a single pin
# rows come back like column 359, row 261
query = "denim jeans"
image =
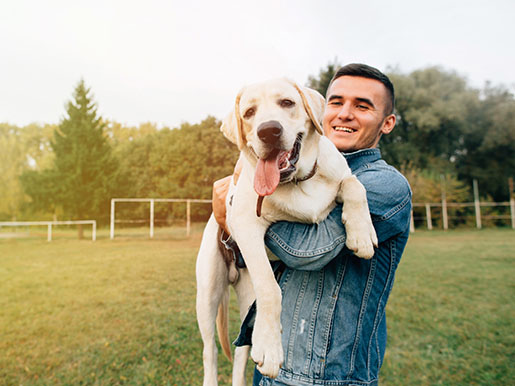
column 333, row 305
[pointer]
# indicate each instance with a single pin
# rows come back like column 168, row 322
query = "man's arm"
column 312, row 246
column 300, row 246
column 308, row 246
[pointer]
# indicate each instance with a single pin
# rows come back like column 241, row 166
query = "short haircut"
column 366, row 71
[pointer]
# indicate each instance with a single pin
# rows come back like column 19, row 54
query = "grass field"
column 123, row 311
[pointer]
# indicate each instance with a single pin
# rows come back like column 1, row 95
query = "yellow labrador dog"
column 290, row 172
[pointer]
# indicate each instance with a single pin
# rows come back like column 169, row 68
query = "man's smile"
column 344, row 129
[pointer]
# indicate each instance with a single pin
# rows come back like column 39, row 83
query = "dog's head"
column 274, row 123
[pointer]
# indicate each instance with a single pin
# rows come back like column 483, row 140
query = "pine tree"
column 85, row 172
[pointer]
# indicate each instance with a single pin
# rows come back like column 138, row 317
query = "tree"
column 11, row 165
column 489, row 144
column 120, row 135
column 178, row 163
column 21, row 148
column 321, row 83
column 433, row 107
column 84, row 174
column 447, row 126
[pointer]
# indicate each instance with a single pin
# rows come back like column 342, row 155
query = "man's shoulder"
column 388, row 191
column 382, row 177
column 375, row 173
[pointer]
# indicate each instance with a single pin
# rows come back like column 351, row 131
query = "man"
column 333, row 319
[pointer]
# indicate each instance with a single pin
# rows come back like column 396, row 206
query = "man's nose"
column 345, row 112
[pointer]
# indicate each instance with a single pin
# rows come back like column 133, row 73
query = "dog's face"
column 270, row 122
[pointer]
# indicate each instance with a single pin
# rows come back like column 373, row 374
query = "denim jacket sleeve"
column 312, row 246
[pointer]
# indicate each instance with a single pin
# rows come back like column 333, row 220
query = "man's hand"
column 220, row 189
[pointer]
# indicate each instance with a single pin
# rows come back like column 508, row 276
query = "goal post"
column 152, row 202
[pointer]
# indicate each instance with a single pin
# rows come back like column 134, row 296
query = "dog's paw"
column 361, row 238
column 267, row 351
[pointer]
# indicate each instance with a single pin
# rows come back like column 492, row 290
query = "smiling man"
column 333, row 305
column 358, row 111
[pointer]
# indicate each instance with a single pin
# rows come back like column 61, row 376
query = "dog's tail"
column 222, row 324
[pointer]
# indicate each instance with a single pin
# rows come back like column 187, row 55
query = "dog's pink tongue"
column 267, row 175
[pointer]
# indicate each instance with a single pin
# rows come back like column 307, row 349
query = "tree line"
column 71, row 170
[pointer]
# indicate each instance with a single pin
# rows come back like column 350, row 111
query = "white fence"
column 477, row 204
column 49, row 225
column 152, row 201
column 444, row 205
column 477, row 212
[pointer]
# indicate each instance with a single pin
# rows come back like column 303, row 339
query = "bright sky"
column 173, row 61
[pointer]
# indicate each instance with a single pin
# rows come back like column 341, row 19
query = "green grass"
column 451, row 315
column 123, row 311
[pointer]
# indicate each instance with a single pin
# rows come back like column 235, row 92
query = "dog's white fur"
column 308, row 201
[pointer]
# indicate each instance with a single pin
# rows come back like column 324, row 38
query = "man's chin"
column 345, row 146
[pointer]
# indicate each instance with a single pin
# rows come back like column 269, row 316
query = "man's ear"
column 388, row 124
column 232, row 125
column 314, row 104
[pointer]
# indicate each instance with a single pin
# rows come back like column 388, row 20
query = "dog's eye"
column 286, row 103
column 249, row 113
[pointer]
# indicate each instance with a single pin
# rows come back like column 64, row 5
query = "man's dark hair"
column 365, row 71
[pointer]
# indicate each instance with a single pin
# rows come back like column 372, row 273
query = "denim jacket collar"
column 362, row 157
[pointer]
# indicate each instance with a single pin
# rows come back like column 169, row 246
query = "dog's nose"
column 270, row 132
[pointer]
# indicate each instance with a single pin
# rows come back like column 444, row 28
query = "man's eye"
column 249, row 113
column 286, row 103
column 362, row 107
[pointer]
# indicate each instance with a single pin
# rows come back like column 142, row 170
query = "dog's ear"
column 232, row 125
column 314, row 104
column 228, row 128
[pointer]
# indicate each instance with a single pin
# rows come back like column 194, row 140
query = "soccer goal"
column 152, row 202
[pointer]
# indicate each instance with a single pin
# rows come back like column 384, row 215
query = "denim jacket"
column 333, row 319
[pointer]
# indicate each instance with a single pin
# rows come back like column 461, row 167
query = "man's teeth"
column 345, row 129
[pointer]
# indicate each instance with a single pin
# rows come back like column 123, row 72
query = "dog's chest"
column 309, row 202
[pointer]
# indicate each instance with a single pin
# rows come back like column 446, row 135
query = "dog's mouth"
column 276, row 168
column 288, row 163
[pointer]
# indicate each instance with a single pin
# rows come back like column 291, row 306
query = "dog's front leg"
column 266, row 338
column 361, row 235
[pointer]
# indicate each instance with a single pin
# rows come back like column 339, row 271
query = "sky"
column 170, row 62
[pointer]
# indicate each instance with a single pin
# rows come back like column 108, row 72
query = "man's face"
column 354, row 116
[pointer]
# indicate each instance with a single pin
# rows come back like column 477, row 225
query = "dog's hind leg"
column 212, row 286
column 241, row 356
column 245, row 295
